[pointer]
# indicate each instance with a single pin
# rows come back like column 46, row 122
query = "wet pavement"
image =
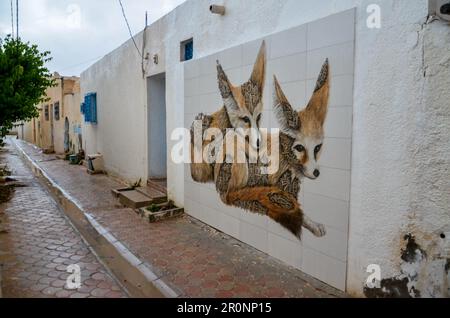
column 189, row 256
column 38, row 243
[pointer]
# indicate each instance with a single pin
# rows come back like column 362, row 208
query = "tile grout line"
column 133, row 260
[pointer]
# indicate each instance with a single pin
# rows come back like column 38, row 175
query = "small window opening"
column 187, row 50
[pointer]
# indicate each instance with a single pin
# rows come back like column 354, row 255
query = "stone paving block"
column 41, row 243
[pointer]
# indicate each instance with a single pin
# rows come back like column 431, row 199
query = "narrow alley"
column 38, row 243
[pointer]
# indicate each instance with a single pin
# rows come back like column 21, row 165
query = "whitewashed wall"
column 400, row 145
column 295, row 56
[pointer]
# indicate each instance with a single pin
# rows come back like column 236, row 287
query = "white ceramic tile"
column 253, row 235
column 334, row 29
column 265, row 120
column 188, row 120
column 202, row 195
column 274, row 121
column 211, row 186
column 208, row 103
column 234, row 211
column 234, row 76
column 336, row 153
column 191, row 69
column 228, row 224
column 333, row 244
column 339, row 122
column 341, row 60
column 324, row 268
column 268, row 94
column 325, row 210
column 194, row 209
column 212, row 217
column 296, row 94
column 285, row 250
column 288, row 42
column 341, row 90
column 288, row 69
column 191, row 87
column 246, row 72
column 189, row 104
column 277, row 229
column 208, row 64
column 333, row 183
column 231, row 58
column 187, row 176
column 208, row 84
column 250, row 51
column 324, row 200
column 254, row 218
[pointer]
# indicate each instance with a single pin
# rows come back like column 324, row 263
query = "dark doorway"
column 156, row 121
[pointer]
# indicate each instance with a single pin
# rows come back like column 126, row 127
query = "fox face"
column 303, row 131
column 244, row 103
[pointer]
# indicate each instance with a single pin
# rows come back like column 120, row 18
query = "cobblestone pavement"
column 191, row 257
column 39, row 243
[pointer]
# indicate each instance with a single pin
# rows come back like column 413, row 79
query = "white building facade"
column 391, row 112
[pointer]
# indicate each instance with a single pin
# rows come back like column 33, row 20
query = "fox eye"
column 299, row 148
column 317, row 149
column 246, row 120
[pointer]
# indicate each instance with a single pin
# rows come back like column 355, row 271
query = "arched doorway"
column 66, row 135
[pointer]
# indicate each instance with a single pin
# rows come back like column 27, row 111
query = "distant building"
column 58, row 127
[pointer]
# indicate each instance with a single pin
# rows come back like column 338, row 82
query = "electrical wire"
column 129, row 29
column 17, row 19
column 81, row 63
column 12, row 19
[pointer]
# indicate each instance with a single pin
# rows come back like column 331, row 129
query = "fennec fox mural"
column 242, row 109
column 300, row 145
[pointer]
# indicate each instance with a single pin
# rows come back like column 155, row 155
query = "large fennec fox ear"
column 318, row 104
column 259, row 69
column 287, row 117
column 225, row 88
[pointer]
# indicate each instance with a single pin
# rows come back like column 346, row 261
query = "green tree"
column 23, row 81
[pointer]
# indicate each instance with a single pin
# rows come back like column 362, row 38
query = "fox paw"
column 318, row 229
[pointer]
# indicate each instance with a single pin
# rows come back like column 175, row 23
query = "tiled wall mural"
column 300, row 81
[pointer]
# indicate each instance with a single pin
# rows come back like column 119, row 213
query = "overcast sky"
column 79, row 32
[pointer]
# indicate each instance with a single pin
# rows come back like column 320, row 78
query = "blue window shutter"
column 87, row 109
column 94, row 108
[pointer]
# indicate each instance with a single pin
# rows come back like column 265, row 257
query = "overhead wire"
column 129, row 28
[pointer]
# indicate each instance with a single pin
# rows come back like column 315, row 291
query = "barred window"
column 56, row 108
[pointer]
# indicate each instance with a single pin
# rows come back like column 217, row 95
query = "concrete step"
column 157, row 185
column 156, row 195
column 134, row 199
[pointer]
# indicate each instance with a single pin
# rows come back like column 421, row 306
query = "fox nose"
column 316, row 173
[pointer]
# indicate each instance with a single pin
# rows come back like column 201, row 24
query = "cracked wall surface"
column 401, row 151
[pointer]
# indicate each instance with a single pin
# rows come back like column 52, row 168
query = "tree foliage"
column 23, row 81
